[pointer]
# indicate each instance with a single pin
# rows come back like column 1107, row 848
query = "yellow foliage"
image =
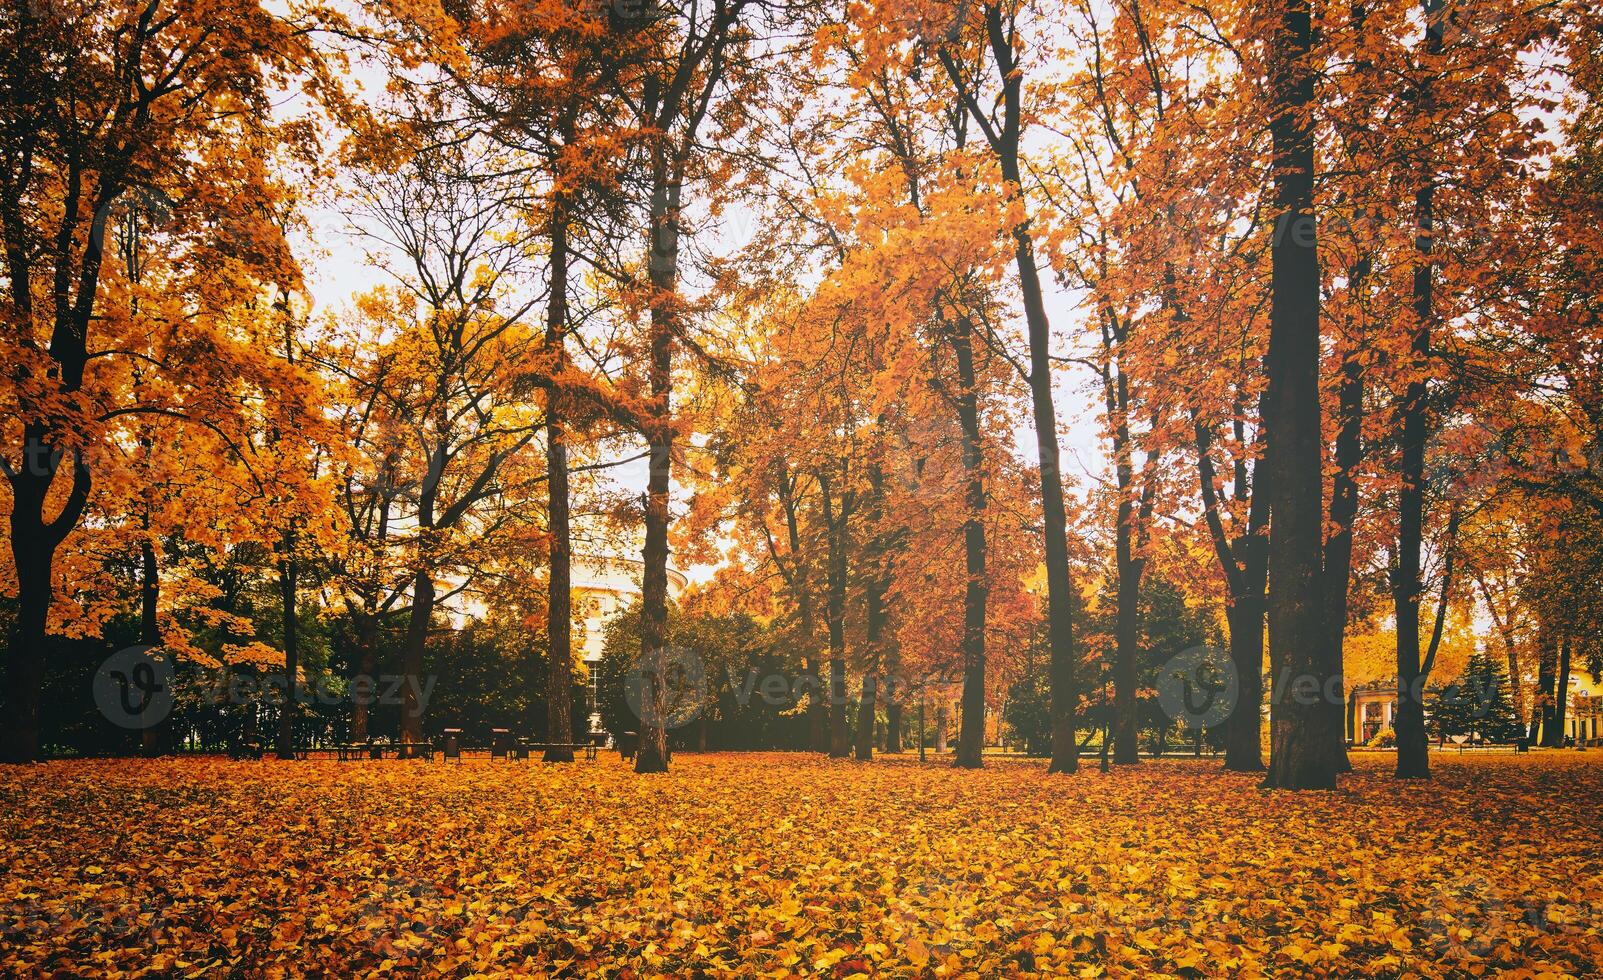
column 773, row 865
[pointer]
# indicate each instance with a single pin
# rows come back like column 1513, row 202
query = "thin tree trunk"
column 366, row 624
column 1516, row 689
column 1128, row 566
column 867, row 706
column 288, row 574
column 1005, row 144
column 797, row 578
column 154, row 740
column 664, row 271
column 1126, row 724
column 1505, row 631
column 1244, row 564
column 835, row 518
column 559, row 607
column 1561, row 692
column 971, row 740
column 1303, row 738
column 417, row 637
column 1413, row 743
column 1546, row 682
column 894, row 742
column 1343, row 514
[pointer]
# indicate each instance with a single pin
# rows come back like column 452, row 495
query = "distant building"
column 602, row 588
column 1373, row 707
column 1583, row 721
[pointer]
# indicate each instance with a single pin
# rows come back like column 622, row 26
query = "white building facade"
column 603, row 587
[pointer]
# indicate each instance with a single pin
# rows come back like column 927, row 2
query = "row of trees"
column 1324, row 275
column 1323, row 272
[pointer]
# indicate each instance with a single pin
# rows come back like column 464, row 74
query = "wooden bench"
column 524, row 749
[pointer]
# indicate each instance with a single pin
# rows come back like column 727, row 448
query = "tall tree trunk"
column 1060, row 624
column 1243, row 740
column 1244, row 564
column 1005, row 144
column 1339, row 548
column 33, row 551
column 835, row 519
column 1128, row 566
column 801, row 591
column 417, row 638
column 664, row 271
column 1515, row 688
column 154, row 739
column 289, row 714
column 894, row 693
column 26, row 653
column 366, row 626
column 1304, row 735
column 867, row 706
column 971, row 740
column 559, row 607
column 1413, row 743
column 1561, row 691
column 1126, row 643
column 1547, row 644
column 866, row 711
column 876, row 682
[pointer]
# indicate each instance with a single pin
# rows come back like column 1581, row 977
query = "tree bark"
column 835, row 520
column 559, row 605
column 1303, row 736
column 366, row 627
column 1339, row 548
column 155, row 739
column 1546, row 682
column 664, row 273
column 971, row 740
column 1243, row 560
column 33, row 550
column 1128, row 565
column 796, row 578
column 1413, row 743
column 1243, row 741
column 417, row 638
column 866, row 710
column 289, row 713
column 1005, row 145
column 1561, row 693
column 894, row 742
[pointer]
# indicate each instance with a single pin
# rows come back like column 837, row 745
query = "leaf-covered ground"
column 784, row 865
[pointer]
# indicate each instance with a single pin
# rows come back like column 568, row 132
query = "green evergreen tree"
column 1477, row 704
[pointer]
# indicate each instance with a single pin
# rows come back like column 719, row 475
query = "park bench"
column 252, row 749
column 525, row 748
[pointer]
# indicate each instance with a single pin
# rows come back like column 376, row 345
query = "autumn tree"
column 106, row 102
column 451, row 368
column 993, row 35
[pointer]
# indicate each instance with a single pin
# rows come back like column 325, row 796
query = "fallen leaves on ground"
column 780, row 865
